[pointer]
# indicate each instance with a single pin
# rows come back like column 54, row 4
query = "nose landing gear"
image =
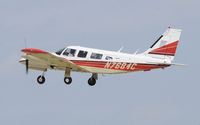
column 41, row 78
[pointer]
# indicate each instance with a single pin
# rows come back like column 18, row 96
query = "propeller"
column 26, row 61
column 27, row 64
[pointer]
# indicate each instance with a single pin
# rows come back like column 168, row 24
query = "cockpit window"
column 59, row 51
column 82, row 53
column 96, row 56
column 69, row 52
column 108, row 58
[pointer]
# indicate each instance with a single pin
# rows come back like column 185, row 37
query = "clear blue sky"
column 159, row 97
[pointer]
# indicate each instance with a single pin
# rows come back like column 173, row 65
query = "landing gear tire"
column 68, row 80
column 41, row 79
column 91, row 81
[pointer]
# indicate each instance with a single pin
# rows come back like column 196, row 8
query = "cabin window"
column 69, row 52
column 96, row 56
column 59, row 51
column 108, row 58
column 82, row 54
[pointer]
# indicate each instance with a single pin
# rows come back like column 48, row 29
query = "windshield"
column 59, row 51
column 69, row 52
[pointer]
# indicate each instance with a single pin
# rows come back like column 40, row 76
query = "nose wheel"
column 41, row 79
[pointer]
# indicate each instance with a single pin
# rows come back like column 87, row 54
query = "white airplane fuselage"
column 120, row 62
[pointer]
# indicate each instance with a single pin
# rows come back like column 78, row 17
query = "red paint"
column 101, row 64
column 169, row 49
column 65, row 59
column 31, row 50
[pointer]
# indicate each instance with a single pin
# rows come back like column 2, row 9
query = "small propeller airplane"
column 96, row 61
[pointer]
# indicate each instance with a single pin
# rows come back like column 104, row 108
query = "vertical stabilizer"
column 166, row 45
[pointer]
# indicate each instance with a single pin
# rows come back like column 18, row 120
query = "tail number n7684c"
column 119, row 65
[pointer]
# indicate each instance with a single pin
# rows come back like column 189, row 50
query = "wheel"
column 91, row 81
column 68, row 80
column 41, row 79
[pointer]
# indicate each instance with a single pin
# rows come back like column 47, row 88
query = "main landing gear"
column 92, row 80
column 68, row 79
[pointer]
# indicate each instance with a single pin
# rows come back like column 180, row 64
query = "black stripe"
column 156, row 41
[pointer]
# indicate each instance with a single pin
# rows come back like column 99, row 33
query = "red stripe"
column 169, row 49
column 101, row 64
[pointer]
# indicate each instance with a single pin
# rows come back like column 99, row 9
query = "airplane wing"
column 50, row 60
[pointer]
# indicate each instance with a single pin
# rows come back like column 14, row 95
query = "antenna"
column 25, row 43
column 120, row 49
column 136, row 51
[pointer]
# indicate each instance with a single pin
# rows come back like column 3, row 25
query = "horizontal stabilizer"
column 178, row 64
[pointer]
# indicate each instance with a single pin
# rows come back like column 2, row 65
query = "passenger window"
column 69, row 52
column 82, row 54
column 96, row 56
column 108, row 58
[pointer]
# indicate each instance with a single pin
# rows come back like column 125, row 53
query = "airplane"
column 95, row 61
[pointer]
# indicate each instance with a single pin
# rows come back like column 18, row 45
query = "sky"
column 167, row 97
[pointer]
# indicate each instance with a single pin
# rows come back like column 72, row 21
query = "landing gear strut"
column 41, row 78
column 67, row 78
column 92, row 80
